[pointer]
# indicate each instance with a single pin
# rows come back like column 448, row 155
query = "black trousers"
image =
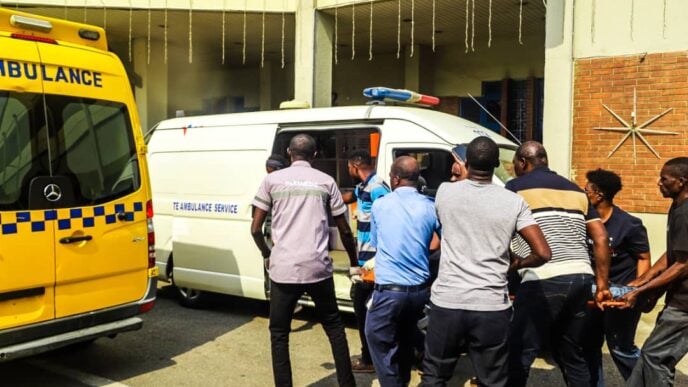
column 283, row 298
column 360, row 294
column 485, row 336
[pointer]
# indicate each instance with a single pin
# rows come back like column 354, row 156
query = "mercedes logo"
column 52, row 192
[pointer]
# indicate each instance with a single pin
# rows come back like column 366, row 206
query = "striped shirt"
column 366, row 193
column 300, row 198
column 562, row 211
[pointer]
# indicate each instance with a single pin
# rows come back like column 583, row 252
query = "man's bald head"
column 530, row 155
column 404, row 172
column 302, row 147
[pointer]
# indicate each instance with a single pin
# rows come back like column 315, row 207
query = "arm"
column 348, row 197
column 678, row 270
column 435, row 242
column 259, row 216
column 600, row 239
column 347, row 239
column 540, row 251
column 643, row 264
column 660, row 266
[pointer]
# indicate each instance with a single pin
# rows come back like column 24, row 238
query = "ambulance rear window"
column 88, row 141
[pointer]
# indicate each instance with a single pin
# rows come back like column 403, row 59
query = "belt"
column 400, row 288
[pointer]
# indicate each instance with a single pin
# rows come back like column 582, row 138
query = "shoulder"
column 442, row 190
column 383, row 202
column 625, row 217
column 542, row 178
column 377, row 183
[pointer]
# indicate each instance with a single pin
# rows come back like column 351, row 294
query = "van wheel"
column 191, row 298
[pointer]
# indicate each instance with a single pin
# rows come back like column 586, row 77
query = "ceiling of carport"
column 390, row 21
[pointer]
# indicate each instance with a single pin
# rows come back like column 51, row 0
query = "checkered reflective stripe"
column 67, row 218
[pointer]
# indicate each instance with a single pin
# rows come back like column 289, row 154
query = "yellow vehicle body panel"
column 44, row 274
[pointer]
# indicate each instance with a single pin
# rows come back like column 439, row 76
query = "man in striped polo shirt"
column 551, row 301
column 370, row 188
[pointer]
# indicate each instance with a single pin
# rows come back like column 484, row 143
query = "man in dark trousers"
column 470, row 301
column 667, row 343
column 300, row 198
column 370, row 188
column 551, row 300
column 402, row 272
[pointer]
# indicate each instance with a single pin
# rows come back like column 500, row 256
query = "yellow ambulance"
column 77, row 257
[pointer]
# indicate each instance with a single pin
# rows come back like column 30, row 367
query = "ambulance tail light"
column 34, row 38
column 151, row 234
column 143, row 308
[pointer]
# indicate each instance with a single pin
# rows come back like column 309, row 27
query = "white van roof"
column 452, row 129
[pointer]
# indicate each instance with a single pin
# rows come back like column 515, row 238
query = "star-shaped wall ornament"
column 633, row 130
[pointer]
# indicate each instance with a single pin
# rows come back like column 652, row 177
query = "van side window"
column 23, row 147
column 96, row 148
column 334, row 148
column 435, row 165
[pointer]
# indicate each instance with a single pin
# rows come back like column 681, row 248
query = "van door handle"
column 68, row 240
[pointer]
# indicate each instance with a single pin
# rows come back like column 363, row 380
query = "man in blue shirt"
column 369, row 189
column 401, row 228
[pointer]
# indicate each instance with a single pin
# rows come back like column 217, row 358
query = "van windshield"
column 87, row 142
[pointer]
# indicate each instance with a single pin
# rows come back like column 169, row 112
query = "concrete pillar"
column 304, row 52
column 558, row 109
column 313, row 55
column 418, row 70
column 151, row 97
column 265, row 80
column 324, row 39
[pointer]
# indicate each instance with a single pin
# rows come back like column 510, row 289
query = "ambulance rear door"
column 27, row 254
column 101, row 254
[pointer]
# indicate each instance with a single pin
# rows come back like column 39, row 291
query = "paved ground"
column 224, row 345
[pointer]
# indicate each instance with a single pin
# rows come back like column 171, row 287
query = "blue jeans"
column 390, row 328
column 551, row 310
column 663, row 349
column 618, row 327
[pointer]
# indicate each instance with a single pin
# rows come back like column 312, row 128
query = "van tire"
column 191, row 298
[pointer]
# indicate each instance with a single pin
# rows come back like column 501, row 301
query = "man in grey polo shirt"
column 300, row 198
column 469, row 299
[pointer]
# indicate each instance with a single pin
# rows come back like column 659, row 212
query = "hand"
column 355, row 274
column 630, row 299
column 601, row 295
column 369, row 264
column 515, row 265
column 638, row 282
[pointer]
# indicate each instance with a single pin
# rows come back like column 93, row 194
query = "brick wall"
column 661, row 82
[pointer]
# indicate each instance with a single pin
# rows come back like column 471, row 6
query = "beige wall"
column 611, row 33
column 656, row 232
column 458, row 73
column 189, row 85
column 349, row 78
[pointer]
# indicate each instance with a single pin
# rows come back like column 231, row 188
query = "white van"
column 205, row 172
